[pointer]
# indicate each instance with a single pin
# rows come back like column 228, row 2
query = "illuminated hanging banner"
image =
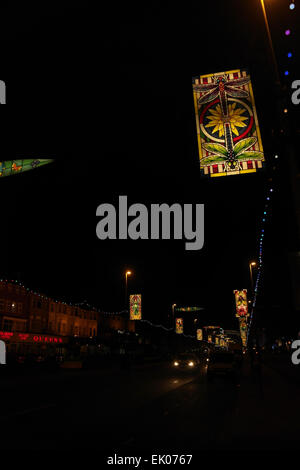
column 179, row 326
column 135, row 307
column 187, row 309
column 228, row 134
column 199, row 335
column 241, row 303
column 13, row 167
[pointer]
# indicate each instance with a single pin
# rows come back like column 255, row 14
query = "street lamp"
column 251, row 266
column 128, row 273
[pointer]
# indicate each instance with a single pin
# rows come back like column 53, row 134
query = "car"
column 186, row 361
column 222, row 364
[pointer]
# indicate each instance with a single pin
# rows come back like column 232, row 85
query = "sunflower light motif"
column 234, row 117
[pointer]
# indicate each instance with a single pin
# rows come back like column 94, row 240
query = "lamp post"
column 251, row 265
column 128, row 273
column 270, row 42
column 173, row 313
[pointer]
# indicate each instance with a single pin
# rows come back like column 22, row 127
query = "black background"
column 107, row 93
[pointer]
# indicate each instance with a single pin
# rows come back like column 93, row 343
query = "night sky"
column 108, row 94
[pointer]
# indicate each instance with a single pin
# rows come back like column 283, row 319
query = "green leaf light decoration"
column 14, row 167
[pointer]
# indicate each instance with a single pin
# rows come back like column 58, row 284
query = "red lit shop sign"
column 47, row 339
column 29, row 338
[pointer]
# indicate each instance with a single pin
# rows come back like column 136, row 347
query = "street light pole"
column 251, row 265
column 173, row 313
column 128, row 273
column 270, row 42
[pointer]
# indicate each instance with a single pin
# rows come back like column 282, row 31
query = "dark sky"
column 108, row 94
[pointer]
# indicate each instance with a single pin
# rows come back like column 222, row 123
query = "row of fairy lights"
column 288, row 33
column 82, row 305
column 260, row 256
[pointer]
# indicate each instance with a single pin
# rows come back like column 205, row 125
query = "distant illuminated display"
column 199, row 335
column 209, row 338
column 13, row 167
column 241, row 303
column 243, row 330
column 135, row 307
column 188, row 309
column 179, row 326
column 228, row 134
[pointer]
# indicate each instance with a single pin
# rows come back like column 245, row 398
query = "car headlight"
column 176, row 363
column 191, row 363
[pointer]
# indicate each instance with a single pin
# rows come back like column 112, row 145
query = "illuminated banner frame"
column 241, row 303
column 135, row 302
column 179, row 326
column 228, row 134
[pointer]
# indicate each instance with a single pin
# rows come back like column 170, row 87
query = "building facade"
column 31, row 323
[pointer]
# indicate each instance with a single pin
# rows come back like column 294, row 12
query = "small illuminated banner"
column 241, row 303
column 229, row 140
column 179, row 326
column 199, row 335
column 135, row 303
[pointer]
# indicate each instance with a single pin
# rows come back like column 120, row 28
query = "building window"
column 8, row 325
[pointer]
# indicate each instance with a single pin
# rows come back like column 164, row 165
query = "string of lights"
column 289, row 52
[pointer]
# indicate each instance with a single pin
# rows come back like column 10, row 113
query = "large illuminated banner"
column 241, row 303
column 199, row 335
column 229, row 140
column 179, row 326
column 13, row 167
column 135, row 307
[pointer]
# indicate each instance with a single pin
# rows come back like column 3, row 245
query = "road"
column 150, row 407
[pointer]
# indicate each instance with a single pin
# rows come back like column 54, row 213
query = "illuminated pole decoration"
column 135, row 307
column 229, row 139
column 13, row 167
column 179, row 326
column 242, row 314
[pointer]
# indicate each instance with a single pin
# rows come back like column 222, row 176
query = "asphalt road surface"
column 151, row 407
